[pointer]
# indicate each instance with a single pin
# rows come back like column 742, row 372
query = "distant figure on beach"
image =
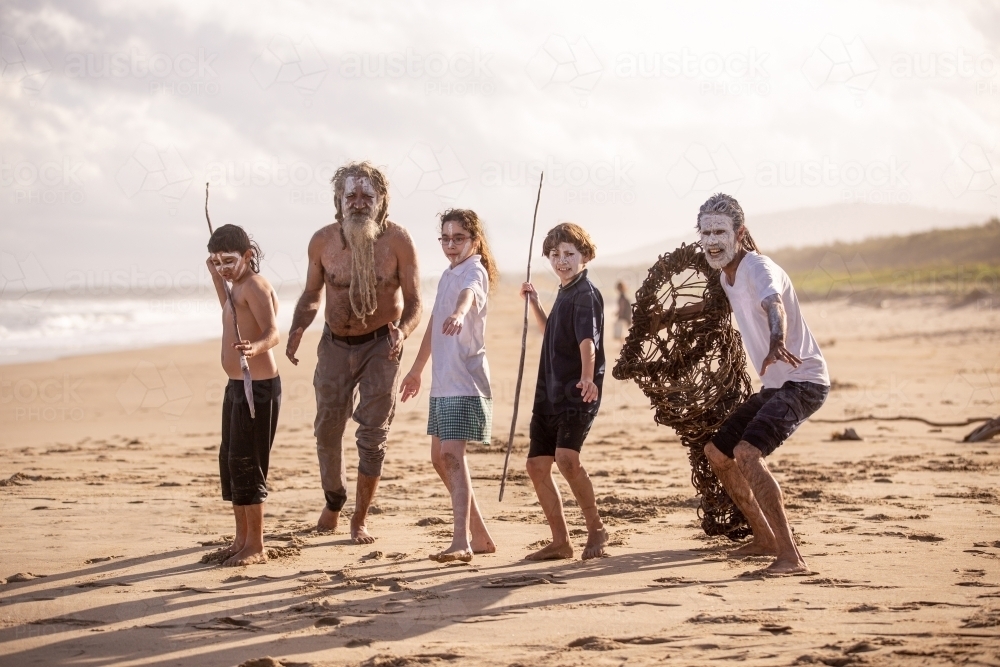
column 246, row 442
column 461, row 403
column 623, row 320
column 568, row 390
column 791, row 368
column 367, row 267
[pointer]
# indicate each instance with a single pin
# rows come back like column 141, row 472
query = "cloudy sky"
column 113, row 115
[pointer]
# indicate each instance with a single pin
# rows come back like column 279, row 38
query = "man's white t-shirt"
column 458, row 363
column 757, row 277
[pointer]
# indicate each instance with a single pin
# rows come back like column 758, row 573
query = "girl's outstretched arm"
column 453, row 323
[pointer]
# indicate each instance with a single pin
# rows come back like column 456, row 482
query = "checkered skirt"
column 468, row 418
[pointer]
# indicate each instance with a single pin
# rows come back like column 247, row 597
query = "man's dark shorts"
column 770, row 416
column 566, row 430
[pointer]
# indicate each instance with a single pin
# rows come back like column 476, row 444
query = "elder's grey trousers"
column 340, row 370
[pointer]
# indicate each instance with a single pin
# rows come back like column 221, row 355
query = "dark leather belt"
column 381, row 332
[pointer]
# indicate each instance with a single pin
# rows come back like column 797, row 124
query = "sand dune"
column 109, row 500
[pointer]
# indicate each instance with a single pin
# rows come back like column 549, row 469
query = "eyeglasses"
column 453, row 240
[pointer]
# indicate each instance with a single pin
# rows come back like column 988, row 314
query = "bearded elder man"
column 792, row 371
column 367, row 266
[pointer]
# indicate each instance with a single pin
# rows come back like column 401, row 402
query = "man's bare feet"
column 787, row 566
column 327, row 520
column 248, row 556
column 449, row 556
column 360, row 534
column 595, row 544
column 754, row 548
column 552, row 551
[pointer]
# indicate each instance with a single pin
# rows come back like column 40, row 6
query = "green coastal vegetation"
column 963, row 263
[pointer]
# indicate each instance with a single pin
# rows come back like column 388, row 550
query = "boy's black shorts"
column 768, row 417
column 567, row 430
column 246, row 443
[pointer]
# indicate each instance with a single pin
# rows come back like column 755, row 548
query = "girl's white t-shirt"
column 758, row 277
column 458, row 363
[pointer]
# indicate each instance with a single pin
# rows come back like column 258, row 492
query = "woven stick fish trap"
column 692, row 367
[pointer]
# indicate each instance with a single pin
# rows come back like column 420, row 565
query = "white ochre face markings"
column 718, row 239
column 456, row 243
column 566, row 261
column 360, row 200
column 230, row 265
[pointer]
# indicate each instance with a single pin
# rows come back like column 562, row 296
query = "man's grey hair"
column 373, row 174
column 722, row 204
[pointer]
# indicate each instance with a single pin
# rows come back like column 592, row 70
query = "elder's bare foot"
column 248, row 556
column 327, row 520
column 360, row 534
column 595, row 544
column 552, row 551
column 450, row 555
column 754, row 548
column 785, row 566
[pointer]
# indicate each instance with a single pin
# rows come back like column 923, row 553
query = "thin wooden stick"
column 244, row 366
column 210, row 231
column 524, row 342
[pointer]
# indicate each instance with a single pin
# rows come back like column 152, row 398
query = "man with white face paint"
column 367, row 268
column 791, row 368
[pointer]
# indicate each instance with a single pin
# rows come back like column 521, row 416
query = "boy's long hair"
column 471, row 223
column 232, row 238
column 568, row 232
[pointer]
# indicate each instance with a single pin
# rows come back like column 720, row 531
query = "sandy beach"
column 109, row 498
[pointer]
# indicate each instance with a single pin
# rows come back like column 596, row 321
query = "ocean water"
column 43, row 325
column 49, row 326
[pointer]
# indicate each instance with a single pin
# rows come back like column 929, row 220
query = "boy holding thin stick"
column 568, row 392
column 246, row 439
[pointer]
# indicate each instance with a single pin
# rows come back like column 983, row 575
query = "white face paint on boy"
column 567, row 262
column 718, row 239
column 230, row 265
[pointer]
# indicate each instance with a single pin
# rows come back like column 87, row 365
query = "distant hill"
column 836, row 223
column 961, row 262
column 978, row 244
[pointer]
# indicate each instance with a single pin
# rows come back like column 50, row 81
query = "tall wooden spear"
column 244, row 366
column 524, row 342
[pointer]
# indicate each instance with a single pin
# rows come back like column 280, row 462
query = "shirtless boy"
column 367, row 267
column 246, row 441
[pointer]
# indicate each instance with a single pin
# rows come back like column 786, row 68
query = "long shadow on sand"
column 246, row 617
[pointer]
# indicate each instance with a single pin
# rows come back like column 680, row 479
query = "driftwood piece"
column 984, row 432
column 848, row 420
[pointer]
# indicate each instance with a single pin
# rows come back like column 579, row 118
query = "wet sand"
column 110, row 498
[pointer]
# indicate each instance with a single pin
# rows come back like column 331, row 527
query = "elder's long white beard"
column 361, row 231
